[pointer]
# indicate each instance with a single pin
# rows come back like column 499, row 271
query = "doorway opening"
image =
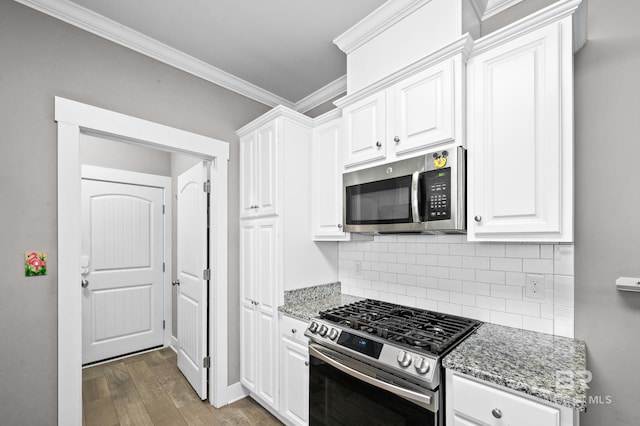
column 75, row 119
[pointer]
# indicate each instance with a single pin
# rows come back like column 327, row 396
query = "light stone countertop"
column 548, row 367
column 306, row 303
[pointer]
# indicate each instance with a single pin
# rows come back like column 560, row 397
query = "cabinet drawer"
column 483, row 403
column 294, row 329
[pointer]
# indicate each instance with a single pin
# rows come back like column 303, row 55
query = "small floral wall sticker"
column 35, row 263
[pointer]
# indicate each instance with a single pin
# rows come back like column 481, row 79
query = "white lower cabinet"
column 474, row 402
column 294, row 372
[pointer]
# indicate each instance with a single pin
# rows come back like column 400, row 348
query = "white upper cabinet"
column 326, row 181
column 408, row 113
column 520, row 136
column 258, row 172
column 365, row 127
column 424, row 109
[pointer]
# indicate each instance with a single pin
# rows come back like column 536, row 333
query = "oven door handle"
column 422, row 400
column 415, row 193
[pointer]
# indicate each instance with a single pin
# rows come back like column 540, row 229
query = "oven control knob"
column 404, row 359
column 333, row 334
column 421, row 365
column 313, row 327
column 323, row 330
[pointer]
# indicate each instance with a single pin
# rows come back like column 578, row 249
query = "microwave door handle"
column 424, row 401
column 415, row 180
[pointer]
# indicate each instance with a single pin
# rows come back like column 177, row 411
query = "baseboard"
column 236, row 392
column 174, row 344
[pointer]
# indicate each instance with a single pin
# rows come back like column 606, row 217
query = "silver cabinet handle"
column 175, row 282
column 396, row 139
column 294, row 331
column 477, row 218
column 306, row 363
column 379, row 144
column 496, row 413
column 84, row 283
column 339, row 226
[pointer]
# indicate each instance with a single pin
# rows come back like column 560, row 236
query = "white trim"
column 163, row 182
column 99, row 25
column 174, row 343
column 326, row 93
column 376, row 22
column 327, row 116
column 74, row 117
column 236, row 392
column 279, row 111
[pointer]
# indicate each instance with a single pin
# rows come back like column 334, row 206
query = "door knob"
column 84, row 283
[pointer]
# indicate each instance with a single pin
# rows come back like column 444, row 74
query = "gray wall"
column 607, row 129
column 103, row 152
column 42, row 58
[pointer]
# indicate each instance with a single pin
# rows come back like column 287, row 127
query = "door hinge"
column 206, row 186
column 164, row 209
column 206, row 362
column 164, row 267
column 163, row 324
column 206, row 274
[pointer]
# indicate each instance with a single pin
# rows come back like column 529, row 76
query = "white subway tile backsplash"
column 449, row 308
column 492, row 277
column 449, row 285
column 523, row 251
column 525, row 308
column 439, row 295
column 476, row 313
column 475, row 262
column 491, row 303
column 538, row 266
column 506, row 292
column 540, row 325
column 474, row 287
column 506, row 264
column 506, row 319
column 490, row 250
column 563, row 290
column 479, row 280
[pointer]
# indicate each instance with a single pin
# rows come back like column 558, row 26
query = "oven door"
column 344, row 391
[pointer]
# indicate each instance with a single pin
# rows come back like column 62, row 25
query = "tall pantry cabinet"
column 277, row 252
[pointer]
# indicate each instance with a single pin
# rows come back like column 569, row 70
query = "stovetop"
column 420, row 329
column 401, row 340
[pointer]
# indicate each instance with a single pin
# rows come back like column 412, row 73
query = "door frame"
column 75, row 118
column 106, row 174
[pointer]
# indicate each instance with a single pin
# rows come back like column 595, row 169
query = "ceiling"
column 273, row 51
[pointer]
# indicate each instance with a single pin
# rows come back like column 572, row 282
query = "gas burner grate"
column 427, row 330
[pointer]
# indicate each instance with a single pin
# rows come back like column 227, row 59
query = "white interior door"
column 122, row 261
column 192, row 291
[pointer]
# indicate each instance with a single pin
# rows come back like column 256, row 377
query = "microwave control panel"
column 436, row 186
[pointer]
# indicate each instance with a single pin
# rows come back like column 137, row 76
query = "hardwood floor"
column 148, row 389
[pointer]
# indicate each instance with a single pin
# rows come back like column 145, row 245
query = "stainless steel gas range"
column 373, row 362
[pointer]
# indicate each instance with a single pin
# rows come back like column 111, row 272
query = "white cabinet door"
column 258, row 290
column 267, row 156
column 258, row 172
column 248, row 175
column 424, row 109
column 294, row 381
column 326, row 182
column 364, row 124
column 519, row 147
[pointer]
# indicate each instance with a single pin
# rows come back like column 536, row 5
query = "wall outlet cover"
column 534, row 286
column 35, row 263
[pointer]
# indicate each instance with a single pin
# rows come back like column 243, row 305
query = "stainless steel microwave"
column 425, row 194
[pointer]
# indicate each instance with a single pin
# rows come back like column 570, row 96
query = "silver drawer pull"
column 496, row 413
column 294, row 331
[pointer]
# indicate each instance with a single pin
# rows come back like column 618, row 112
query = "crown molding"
column 280, row 111
column 327, row 116
column 553, row 13
column 324, row 94
column 376, row 22
column 106, row 28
